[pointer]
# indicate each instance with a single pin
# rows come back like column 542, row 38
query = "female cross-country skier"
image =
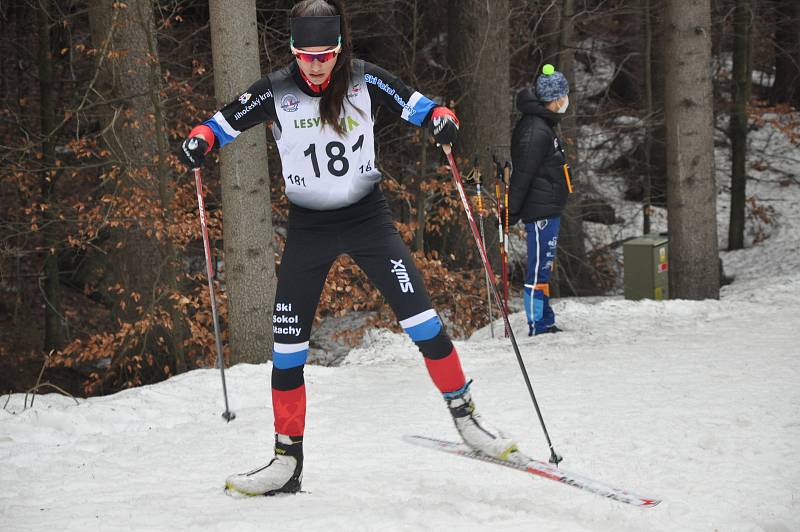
column 321, row 107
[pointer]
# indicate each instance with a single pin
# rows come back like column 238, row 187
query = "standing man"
column 540, row 184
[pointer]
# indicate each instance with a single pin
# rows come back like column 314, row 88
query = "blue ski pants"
column 542, row 242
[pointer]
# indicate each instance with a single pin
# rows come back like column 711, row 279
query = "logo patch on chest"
column 290, row 103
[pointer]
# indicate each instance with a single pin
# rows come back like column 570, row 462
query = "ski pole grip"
column 447, row 148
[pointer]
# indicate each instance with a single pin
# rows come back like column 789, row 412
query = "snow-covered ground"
column 694, row 402
column 697, row 403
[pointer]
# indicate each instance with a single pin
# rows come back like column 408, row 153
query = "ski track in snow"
column 697, row 403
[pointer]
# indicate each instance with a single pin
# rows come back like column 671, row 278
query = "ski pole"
column 554, row 457
column 483, row 239
column 506, row 180
column 228, row 414
column 497, row 181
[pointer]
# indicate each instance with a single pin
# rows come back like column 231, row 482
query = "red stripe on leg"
column 446, row 372
column 290, row 411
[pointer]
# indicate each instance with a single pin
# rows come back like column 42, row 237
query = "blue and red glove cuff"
column 205, row 133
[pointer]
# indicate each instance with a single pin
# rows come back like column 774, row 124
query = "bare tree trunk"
column 179, row 331
column 738, row 125
column 786, row 88
column 647, row 64
column 657, row 130
column 626, row 51
column 54, row 322
column 134, row 131
column 123, row 83
column 247, row 221
column 549, row 34
column 573, row 271
column 477, row 51
column 421, row 196
column 691, row 192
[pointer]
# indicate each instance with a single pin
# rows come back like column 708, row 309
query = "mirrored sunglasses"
column 322, row 57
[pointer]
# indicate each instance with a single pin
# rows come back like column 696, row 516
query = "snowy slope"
column 694, row 402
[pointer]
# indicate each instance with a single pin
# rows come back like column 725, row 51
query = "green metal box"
column 646, row 267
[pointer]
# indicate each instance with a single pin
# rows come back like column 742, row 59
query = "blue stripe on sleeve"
column 421, row 110
column 222, row 137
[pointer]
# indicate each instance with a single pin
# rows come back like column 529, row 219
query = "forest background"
column 102, row 275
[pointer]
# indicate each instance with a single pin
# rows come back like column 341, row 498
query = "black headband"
column 315, row 31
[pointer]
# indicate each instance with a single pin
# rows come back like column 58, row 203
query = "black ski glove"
column 444, row 125
column 193, row 152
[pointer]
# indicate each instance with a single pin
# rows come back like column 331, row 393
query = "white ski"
column 538, row 468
